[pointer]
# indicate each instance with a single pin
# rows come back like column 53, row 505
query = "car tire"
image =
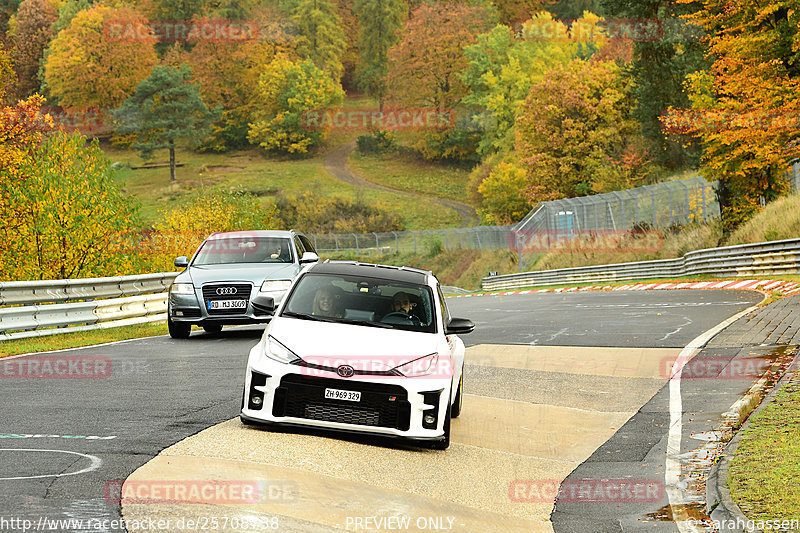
column 178, row 330
column 444, row 443
column 456, row 409
column 213, row 329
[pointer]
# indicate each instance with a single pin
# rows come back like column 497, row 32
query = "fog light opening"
column 430, row 419
column 256, row 399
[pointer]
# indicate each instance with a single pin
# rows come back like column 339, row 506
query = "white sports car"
column 358, row 347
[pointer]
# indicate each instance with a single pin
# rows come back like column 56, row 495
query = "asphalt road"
column 65, row 440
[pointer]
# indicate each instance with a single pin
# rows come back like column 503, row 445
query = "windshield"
column 363, row 301
column 240, row 249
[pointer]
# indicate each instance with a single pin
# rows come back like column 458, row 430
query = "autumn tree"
column 503, row 194
column 88, row 67
column 68, row 213
column 504, row 65
column 426, row 65
column 228, row 72
column 511, row 12
column 32, row 33
column 575, row 136
column 166, row 108
column 182, row 227
column 380, row 22
column 321, row 38
column 7, row 76
column 289, row 94
column 745, row 106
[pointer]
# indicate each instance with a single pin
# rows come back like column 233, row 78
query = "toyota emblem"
column 346, row 371
column 226, row 291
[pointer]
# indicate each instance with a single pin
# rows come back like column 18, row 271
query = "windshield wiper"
column 305, row 316
column 366, row 323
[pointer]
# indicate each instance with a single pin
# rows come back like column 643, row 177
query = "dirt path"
column 335, row 163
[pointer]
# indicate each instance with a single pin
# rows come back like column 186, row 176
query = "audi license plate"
column 347, row 395
column 227, row 304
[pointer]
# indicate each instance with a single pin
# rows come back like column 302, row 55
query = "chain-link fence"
column 421, row 241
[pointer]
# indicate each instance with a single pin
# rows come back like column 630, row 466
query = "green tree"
column 659, row 69
column 502, row 69
column 380, row 22
column 69, row 213
column 288, row 96
column 321, row 36
column 87, row 68
column 165, row 109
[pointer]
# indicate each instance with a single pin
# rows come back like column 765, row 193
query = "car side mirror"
column 263, row 305
column 309, row 257
column 459, row 326
column 182, row 262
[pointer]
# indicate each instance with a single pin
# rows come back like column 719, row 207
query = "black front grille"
column 210, row 293
column 381, row 405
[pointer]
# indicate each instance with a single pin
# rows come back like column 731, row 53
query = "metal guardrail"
column 768, row 258
column 49, row 307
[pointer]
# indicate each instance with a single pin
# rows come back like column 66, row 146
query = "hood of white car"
column 326, row 343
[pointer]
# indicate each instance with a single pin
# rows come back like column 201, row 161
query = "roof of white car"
column 255, row 233
column 368, row 270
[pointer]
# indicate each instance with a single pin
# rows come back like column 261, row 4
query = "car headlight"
column 276, row 285
column 181, row 288
column 423, row 366
column 277, row 351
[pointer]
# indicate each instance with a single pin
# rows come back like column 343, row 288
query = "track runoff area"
column 552, row 378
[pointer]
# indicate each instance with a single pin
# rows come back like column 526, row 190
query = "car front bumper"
column 393, row 406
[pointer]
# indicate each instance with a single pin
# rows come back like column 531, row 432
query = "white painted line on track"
column 96, row 463
column 672, row 473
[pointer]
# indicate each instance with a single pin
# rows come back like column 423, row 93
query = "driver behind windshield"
column 401, row 303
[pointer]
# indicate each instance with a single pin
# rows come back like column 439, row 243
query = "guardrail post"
column 336, row 239
column 396, row 242
column 358, row 250
column 377, row 244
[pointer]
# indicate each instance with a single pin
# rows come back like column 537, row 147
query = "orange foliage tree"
column 88, row 67
column 31, row 35
column 744, row 109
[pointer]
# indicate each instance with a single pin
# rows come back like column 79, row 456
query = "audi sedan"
column 359, row 348
column 227, row 272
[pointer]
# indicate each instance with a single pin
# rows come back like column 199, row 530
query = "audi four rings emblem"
column 346, row 371
column 226, row 291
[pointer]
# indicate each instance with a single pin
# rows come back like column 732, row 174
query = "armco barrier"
column 762, row 259
column 43, row 308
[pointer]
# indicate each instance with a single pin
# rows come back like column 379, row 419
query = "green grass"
column 764, row 472
column 251, row 171
column 778, row 220
column 402, row 172
column 78, row 339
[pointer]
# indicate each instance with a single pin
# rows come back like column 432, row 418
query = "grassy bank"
column 85, row 338
column 767, row 464
column 402, row 172
column 266, row 178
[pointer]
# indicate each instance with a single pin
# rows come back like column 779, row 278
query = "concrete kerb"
column 719, row 502
column 786, row 288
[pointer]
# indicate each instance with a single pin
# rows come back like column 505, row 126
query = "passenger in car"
column 326, row 303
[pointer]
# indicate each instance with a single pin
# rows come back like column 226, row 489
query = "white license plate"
column 346, row 395
column 227, row 304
